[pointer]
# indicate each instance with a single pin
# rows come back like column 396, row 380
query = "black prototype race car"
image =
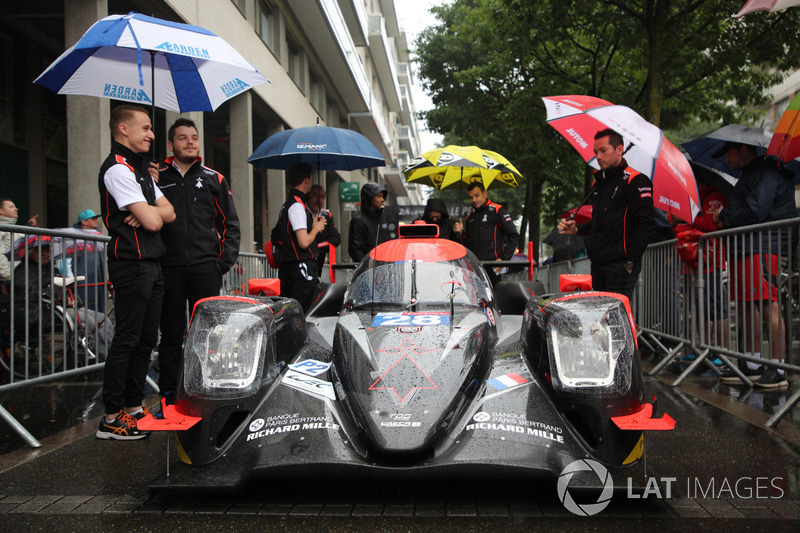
column 417, row 367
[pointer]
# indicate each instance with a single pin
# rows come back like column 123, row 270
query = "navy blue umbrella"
column 702, row 148
column 322, row 147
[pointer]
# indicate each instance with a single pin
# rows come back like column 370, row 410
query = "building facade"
column 341, row 63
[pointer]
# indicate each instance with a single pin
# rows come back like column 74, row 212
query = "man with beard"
column 370, row 227
column 202, row 244
column 622, row 221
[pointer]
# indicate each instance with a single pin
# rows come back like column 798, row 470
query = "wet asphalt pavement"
column 723, row 469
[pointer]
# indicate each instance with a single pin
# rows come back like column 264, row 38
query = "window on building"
column 317, row 96
column 266, row 21
column 242, row 5
column 332, row 117
column 294, row 65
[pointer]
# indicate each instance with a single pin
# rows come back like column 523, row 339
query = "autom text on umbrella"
column 578, row 118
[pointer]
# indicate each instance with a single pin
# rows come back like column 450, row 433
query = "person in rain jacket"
column 763, row 194
column 489, row 231
column 436, row 213
column 201, row 246
column 370, row 227
column 622, row 221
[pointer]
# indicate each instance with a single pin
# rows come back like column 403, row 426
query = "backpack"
column 273, row 247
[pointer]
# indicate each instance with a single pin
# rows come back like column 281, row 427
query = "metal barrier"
column 55, row 316
column 550, row 274
column 677, row 307
column 248, row 266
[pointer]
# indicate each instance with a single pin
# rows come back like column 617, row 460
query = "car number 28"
column 411, row 319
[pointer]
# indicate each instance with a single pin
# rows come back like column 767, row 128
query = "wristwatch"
column 629, row 266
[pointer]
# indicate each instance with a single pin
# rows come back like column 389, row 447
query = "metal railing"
column 55, row 315
column 678, row 308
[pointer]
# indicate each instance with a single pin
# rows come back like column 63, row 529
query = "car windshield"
column 435, row 284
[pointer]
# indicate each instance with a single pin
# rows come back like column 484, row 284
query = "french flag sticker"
column 506, row 381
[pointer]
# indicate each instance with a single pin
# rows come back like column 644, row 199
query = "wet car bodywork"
column 418, row 367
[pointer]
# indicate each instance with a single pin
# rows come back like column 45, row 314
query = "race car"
column 417, row 367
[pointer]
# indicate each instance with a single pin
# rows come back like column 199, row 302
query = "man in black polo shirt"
column 134, row 210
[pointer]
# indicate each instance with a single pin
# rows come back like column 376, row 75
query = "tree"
column 487, row 63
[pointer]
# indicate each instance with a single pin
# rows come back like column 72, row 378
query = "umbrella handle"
column 153, row 100
column 575, row 213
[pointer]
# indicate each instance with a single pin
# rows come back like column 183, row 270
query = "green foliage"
column 684, row 64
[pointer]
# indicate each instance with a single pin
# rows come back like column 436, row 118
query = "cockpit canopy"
column 421, row 272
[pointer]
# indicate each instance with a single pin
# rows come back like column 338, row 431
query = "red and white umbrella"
column 768, row 5
column 578, row 118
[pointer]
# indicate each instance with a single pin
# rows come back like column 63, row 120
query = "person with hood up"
column 436, row 213
column 370, row 227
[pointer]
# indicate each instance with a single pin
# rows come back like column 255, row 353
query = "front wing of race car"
column 511, row 429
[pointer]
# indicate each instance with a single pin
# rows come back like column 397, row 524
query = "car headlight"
column 224, row 354
column 591, row 345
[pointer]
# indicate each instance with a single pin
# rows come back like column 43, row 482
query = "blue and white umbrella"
column 132, row 57
column 322, row 147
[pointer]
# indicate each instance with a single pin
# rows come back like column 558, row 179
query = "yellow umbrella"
column 451, row 166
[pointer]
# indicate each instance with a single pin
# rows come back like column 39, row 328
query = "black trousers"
column 614, row 277
column 299, row 281
column 182, row 284
column 138, row 291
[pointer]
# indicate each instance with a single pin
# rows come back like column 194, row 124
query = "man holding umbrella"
column 202, row 245
column 622, row 218
column 295, row 238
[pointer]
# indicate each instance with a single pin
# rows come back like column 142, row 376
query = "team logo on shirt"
column 199, row 183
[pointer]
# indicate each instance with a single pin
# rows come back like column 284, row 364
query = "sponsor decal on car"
column 514, row 423
column 506, row 381
column 411, row 319
column 309, row 384
column 311, row 367
column 287, row 423
column 400, row 420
